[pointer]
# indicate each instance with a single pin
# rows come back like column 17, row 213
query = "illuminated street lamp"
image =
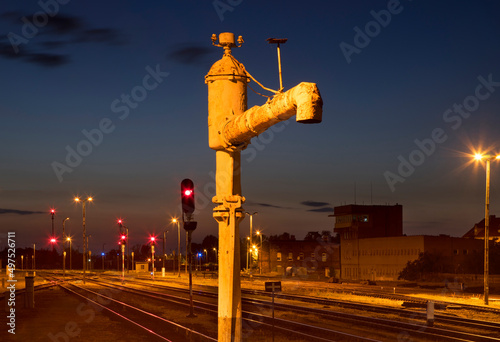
column 78, row 200
column 216, row 258
column 259, row 261
column 251, row 236
column 175, row 220
column 248, row 251
column 488, row 158
column 69, row 239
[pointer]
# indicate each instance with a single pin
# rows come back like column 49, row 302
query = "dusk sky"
column 410, row 88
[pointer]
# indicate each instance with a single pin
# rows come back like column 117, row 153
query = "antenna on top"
column 278, row 41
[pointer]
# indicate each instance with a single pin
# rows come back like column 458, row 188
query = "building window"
column 313, row 257
column 466, row 252
column 323, row 257
column 290, row 256
column 301, row 256
column 278, row 256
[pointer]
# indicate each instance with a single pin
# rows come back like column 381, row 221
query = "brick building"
column 304, row 257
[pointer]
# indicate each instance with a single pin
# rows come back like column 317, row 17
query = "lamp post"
column 248, row 251
column 89, row 256
column 216, row 259
column 52, row 213
column 103, row 254
column 132, row 261
column 487, row 158
column 153, row 256
column 34, row 260
column 64, row 236
column 174, row 220
column 163, row 249
column 63, row 232
column 260, row 253
column 69, row 239
column 251, row 236
column 78, row 200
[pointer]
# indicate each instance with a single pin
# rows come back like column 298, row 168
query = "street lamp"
column 248, row 250
column 69, row 239
column 78, row 200
column 260, row 254
column 216, row 259
column 488, row 158
column 251, row 236
column 163, row 250
column 175, row 220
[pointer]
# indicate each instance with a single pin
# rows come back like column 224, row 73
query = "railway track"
column 256, row 312
column 252, row 320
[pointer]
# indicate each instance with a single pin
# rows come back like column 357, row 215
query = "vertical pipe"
column 279, row 67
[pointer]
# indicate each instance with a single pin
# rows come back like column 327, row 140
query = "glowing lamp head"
column 478, row 156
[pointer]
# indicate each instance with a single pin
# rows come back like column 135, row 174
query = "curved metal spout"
column 303, row 100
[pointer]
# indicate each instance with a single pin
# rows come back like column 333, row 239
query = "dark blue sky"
column 408, row 87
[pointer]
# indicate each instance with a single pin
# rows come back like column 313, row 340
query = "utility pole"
column 230, row 128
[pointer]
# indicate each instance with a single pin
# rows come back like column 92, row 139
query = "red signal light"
column 53, row 240
column 187, row 196
column 124, row 237
column 153, row 239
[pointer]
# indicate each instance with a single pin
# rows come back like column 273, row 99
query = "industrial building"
column 372, row 244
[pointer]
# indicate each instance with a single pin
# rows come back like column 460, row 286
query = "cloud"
column 269, row 205
column 48, row 60
column 314, row 204
column 58, row 33
column 191, row 54
column 322, row 210
column 19, row 212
